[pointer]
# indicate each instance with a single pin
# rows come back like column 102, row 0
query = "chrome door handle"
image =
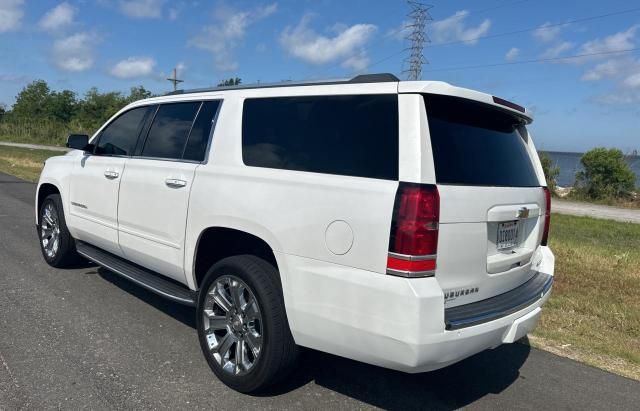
column 111, row 174
column 175, row 183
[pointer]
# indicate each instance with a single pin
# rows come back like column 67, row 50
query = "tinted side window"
column 345, row 135
column 121, row 135
column 169, row 130
column 199, row 137
column 477, row 144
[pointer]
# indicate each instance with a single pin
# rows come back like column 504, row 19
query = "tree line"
column 36, row 102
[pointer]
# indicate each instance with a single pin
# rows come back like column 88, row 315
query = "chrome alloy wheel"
column 50, row 230
column 233, row 325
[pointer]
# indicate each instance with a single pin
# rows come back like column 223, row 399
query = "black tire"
column 65, row 254
column 278, row 352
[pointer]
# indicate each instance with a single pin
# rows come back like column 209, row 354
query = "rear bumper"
column 499, row 306
column 395, row 322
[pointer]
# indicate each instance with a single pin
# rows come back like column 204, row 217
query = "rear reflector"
column 509, row 104
column 413, row 242
column 547, row 216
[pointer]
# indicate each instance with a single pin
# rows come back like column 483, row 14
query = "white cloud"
column 546, row 33
column 142, row 9
column 622, row 70
column 11, row 14
column 454, row 28
column 557, row 50
column 357, row 63
column 633, row 80
column 173, row 13
column 512, row 54
column 60, row 16
column 227, row 31
column 304, row 43
column 618, row 41
column 75, row 52
column 400, row 32
column 608, row 69
column 133, row 67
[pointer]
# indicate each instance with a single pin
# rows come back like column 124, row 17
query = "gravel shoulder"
column 625, row 215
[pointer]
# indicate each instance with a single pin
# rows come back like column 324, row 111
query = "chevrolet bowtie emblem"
column 523, row 212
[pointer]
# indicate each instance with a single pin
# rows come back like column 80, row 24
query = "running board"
column 148, row 279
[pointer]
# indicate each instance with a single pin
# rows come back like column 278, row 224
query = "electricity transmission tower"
column 417, row 37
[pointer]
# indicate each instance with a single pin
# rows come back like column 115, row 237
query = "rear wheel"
column 56, row 243
column 242, row 324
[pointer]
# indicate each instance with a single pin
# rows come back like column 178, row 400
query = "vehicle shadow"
column 461, row 384
column 489, row 372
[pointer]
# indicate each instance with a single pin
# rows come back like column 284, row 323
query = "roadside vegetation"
column 551, row 171
column 593, row 314
column 24, row 163
column 605, row 178
column 43, row 116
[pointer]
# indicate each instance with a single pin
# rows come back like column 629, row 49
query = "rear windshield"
column 476, row 144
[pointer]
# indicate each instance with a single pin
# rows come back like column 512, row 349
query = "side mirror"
column 78, row 141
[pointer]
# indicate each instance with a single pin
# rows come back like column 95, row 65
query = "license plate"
column 507, row 235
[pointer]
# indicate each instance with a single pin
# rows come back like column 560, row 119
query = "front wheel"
column 56, row 243
column 242, row 324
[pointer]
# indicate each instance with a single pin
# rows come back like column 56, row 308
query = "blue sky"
column 578, row 103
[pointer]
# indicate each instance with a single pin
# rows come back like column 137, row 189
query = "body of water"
column 569, row 164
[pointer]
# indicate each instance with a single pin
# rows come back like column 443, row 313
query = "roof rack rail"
column 362, row 78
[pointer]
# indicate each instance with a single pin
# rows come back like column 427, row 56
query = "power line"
column 575, row 56
column 509, row 33
column 473, row 12
column 499, row 6
column 382, row 60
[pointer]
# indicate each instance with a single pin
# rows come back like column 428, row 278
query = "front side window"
column 169, row 131
column 354, row 135
column 120, row 136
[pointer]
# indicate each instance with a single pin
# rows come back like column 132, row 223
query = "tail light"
column 413, row 243
column 547, row 215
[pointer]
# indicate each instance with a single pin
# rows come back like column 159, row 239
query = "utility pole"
column 175, row 80
column 417, row 36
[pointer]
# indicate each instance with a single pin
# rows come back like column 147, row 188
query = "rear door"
column 155, row 188
column 491, row 200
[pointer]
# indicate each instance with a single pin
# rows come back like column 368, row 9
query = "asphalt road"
column 86, row 339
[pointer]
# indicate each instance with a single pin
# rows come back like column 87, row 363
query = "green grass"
column 24, row 163
column 593, row 314
column 37, row 132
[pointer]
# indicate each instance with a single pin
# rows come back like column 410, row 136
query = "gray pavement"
column 86, row 339
column 625, row 215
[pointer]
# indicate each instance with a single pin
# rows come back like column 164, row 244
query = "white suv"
column 402, row 224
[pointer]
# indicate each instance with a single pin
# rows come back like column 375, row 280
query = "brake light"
column 547, row 215
column 508, row 103
column 413, row 242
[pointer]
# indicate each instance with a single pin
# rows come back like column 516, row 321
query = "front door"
column 95, row 181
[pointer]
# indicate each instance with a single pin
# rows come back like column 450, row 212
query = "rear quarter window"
column 476, row 144
column 355, row 135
